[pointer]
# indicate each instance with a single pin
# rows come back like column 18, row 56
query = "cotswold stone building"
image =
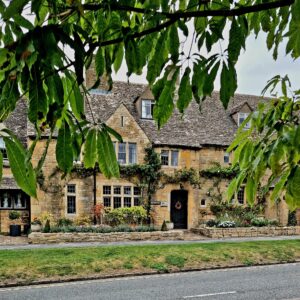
column 195, row 141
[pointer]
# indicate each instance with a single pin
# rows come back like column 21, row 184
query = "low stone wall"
column 72, row 237
column 213, row 232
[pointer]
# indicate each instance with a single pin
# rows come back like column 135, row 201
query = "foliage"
column 140, row 33
column 14, row 215
column 164, row 226
column 47, row 227
column 211, row 223
column 218, row 171
column 259, row 222
column 98, row 212
column 126, row 215
column 292, row 220
column 226, row 224
column 270, row 149
column 83, row 220
column 64, row 222
column 183, row 175
column 101, row 229
column 36, row 221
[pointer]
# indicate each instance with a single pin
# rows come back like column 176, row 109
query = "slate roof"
column 213, row 125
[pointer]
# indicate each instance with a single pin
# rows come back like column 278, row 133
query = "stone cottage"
column 195, row 141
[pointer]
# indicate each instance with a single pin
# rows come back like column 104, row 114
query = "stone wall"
column 246, row 231
column 47, row 238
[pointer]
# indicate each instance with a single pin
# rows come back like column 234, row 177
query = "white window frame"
column 71, row 194
column 147, row 103
column 244, row 116
column 127, row 155
column 170, row 157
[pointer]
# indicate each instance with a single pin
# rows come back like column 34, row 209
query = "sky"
column 254, row 68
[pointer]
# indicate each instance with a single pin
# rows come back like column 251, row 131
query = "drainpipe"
column 94, row 191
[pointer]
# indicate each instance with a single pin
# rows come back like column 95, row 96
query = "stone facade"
column 199, row 138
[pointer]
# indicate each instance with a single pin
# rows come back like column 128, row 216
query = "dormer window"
column 147, row 109
column 241, row 118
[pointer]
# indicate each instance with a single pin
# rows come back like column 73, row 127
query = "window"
column 13, row 199
column 127, row 201
column 3, row 148
column 240, row 195
column 203, row 203
column 118, row 196
column 71, row 199
column 122, row 153
column 226, row 158
column 241, row 118
column 147, row 109
column 122, row 121
column 164, row 157
column 117, row 190
column 174, row 158
column 169, row 157
column 106, row 189
column 117, row 202
column 132, row 153
column 107, row 201
column 127, row 190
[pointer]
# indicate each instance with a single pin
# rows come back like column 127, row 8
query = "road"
column 265, row 282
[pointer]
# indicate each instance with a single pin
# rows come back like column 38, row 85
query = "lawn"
column 27, row 266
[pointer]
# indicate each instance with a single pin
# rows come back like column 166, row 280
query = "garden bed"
column 214, row 232
column 71, row 237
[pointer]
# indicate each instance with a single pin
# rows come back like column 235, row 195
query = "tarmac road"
column 263, row 282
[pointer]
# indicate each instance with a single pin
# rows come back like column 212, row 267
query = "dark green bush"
column 164, row 226
column 47, row 228
column 211, row 223
column 259, row 222
column 64, row 222
column 292, row 221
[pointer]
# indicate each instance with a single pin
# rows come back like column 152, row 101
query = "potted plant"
column 14, row 229
column 36, row 225
column 170, row 225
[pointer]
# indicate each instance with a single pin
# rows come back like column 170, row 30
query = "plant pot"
column 36, row 227
column 14, row 230
column 170, row 225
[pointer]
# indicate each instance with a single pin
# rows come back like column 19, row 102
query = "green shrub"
column 226, row 224
column 273, row 222
column 259, row 222
column 14, row 215
column 292, row 221
column 64, row 222
column 164, row 226
column 126, row 215
column 211, row 223
column 47, row 227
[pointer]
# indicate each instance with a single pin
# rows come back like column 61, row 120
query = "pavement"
column 250, row 283
column 142, row 243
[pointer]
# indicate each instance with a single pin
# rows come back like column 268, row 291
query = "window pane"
column 71, row 204
column 5, row 201
column 117, row 202
column 106, row 189
column 132, row 153
column 117, row 190
column 136, row 201
column 226, row 158
column 122, row 153
column 107, row 201
column 240, row 195
column 147, row 107
column 164, row 157
column 19, row 201
column 71, row 188
column 136, row 190
column 174, row 158
column 127, row 190
column 127, row 202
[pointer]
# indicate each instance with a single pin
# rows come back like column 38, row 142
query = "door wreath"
column 178, row 205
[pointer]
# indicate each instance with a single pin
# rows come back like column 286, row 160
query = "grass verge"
column 28, row 266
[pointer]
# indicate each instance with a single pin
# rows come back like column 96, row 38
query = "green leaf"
column 22, row 170
column 165, row 104
column 173, row 43
column 119, row 57
column 15, row 7
column 106, row 155
column 113, row 133
column 231, row 190
column 185, row 94
column 279, row 186
column 99, row 62
column 228, row 84
column 250, row 190
column 293, row 186
column 90, row 149
column 235, row 41
column 21, row 21
column 64, row 151
column 210, row 79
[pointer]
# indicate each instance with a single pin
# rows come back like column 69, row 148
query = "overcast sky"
column 255, row 67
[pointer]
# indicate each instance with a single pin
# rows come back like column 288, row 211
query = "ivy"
column 221, row 172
